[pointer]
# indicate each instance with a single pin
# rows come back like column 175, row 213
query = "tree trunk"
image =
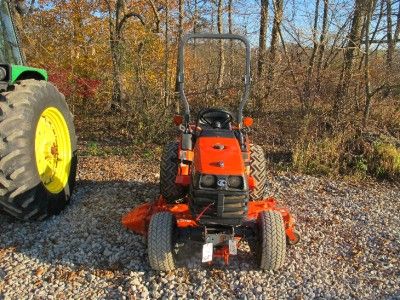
column 195, row 20
column 306, row 95
column 262, row 41
column 221, row 50
column 278, row 12
column 181, row 5
column 166, row 56
column 397, row 30
column 392, row 39
column 116, row 21
column 352, row 48
column 322, row 43
column 230, row 21
column 368, row 94
column 230, row 31
column 389, row 35
column 118, row 95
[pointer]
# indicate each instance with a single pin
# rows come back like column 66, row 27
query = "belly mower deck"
column 138, row 220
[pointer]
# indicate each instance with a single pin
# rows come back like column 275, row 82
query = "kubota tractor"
column 37, row 135
column 212, row 184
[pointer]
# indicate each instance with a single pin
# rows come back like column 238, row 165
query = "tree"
column 370, row 6
column 392, row 39
column 353, row 45
column 221, row 69
column 166, row 56
column 322, row 43
column 181, row 6
column 306, row 95
column 262, row 44
column 273, row 50
column 118, row 15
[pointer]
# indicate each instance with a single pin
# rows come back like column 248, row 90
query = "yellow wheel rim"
column 53, row 150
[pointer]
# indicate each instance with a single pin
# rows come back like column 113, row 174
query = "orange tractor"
column 212, row 182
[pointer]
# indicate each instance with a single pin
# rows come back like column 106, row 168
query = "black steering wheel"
column 215, row 117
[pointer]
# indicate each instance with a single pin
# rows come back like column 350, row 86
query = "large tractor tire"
column 161, row 241
column 37, row 151
column 271, row 240
column 168, row 171
column 258, row 171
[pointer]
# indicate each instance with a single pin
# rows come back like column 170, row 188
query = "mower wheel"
column 37, row 150
column 168, row 171
column 161, row 241
column 296, row 241
column 272, row 240
column 258, row 172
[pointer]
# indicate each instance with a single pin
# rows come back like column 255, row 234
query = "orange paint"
column 139, row 218
column 247, row 121
column 208, row 159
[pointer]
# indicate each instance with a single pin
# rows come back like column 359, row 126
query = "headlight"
column 235, row 182
column 208, row 180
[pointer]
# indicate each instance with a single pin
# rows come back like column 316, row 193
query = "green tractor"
column 38, row 157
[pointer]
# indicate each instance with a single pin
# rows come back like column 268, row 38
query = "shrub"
column 385, row 160
column 320, row 157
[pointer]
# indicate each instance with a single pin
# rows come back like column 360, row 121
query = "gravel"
column 349, row 249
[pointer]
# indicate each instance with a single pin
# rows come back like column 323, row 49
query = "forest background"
column 325, row 75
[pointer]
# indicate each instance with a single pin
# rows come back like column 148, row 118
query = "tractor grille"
column 224, row 207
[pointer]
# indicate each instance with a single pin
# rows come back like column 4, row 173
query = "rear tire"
column 161, row 241
column 272, row 240
column 23, row 192
column 258, row 172
column 168, row 171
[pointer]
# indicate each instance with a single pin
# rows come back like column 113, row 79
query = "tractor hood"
column 218, row 156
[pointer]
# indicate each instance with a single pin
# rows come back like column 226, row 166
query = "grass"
column 385, row 161
column 150, row 152
column 348, row 155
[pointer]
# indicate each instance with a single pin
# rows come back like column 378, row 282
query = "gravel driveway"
column 350, row 244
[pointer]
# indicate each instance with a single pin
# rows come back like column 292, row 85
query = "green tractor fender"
column 13, row 73
column 23, row 72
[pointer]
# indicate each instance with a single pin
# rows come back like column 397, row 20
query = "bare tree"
column 389, row 34
column 221, row 49
column 353, row 45
column 117, row 18
column 262, row 44
column 166, row 56
column 397, row 30
column 322, row 43
column 392, row 38
column 368, row 94
column 306, row 95
column 156, row 12
column 230, row 21
column 276, row 27
column 181, row 5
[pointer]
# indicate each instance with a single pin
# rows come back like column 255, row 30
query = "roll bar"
column 181, row 65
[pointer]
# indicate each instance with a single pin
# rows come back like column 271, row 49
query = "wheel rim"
column 53, row 150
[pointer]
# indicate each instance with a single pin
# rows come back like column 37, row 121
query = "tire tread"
column 258, row 171
column 160, row 241
column 18, row 179
column 168, row 171
column 272, row 240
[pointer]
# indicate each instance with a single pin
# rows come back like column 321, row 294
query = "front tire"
column 37, row 151
column 161, row 241
column 272, row 240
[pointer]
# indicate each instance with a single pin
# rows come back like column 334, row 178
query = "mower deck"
column 138, row 219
